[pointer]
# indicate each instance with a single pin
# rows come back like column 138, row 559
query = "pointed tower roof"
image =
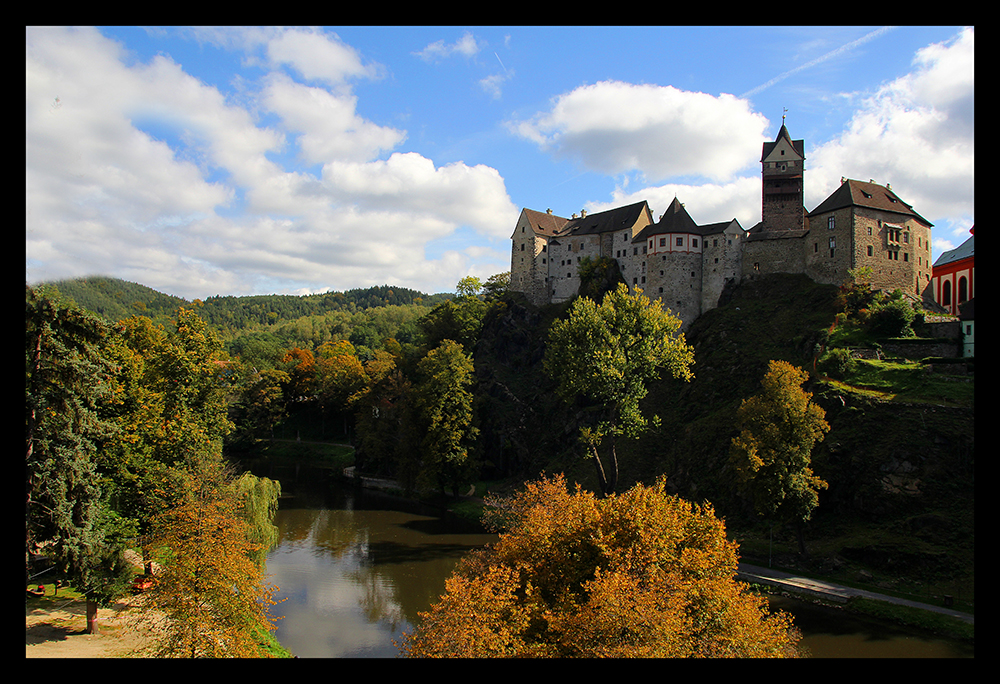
column 783, row 134
column 674, row 220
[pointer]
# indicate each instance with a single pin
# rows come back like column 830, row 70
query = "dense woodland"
column 442, row 391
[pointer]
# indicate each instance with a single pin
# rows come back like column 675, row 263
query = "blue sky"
column 256, row 160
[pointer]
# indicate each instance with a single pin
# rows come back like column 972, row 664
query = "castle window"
column 680, row 242
column 946, row 293
column 963, row 290
column 830, row 223
column 522, row 247
column 906, row 256
column 694, row 243
column 869, row 250
column 635, row 251
column 869, row 230
column 715, row 243
column 815, row 247
column 663, row 242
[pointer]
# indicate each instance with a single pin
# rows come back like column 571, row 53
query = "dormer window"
column 866, row 194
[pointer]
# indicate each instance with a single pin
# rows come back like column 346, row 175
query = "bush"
column 837, row 363
column 892, row 317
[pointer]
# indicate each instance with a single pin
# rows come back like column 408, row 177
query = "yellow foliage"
column 639, row 574
column 210, row 598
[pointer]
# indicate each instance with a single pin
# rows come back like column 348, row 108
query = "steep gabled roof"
column 797, row 145
column 870, row 195
column 606, row 221
column 544, row 222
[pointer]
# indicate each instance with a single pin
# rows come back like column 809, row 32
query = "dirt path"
column 60, row 631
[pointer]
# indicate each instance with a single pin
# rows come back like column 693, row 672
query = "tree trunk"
column 800, row 532
column 92, row 627
column 607, row 484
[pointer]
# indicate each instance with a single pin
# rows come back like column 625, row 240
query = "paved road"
column 804, row 585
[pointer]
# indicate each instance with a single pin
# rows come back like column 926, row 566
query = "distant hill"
column 115, row 299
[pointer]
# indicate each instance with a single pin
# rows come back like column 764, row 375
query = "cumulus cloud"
column 660, row 131
column 210, row 203
column 915, row 132
column 329, row 125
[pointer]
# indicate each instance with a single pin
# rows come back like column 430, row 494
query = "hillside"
column 901, row 473
column 306, row 320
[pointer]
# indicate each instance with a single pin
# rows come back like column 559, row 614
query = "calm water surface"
column 354, row 571
column 355, row 574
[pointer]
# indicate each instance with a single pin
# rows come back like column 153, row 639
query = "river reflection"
column 354, row 576
column 354, row 571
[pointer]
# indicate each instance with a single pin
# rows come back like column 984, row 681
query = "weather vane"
column 784, row 110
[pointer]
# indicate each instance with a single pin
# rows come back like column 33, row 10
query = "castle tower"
column 782, row 166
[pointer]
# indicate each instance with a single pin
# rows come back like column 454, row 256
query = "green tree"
column 67, row 515
column 641, row 574
column 258, row 498
column 771, row 455
column 607, row 354
column 496, row 285
column 469, row 286
column 444, row 403
column 460, row 320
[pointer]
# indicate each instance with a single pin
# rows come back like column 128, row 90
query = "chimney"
column 583, row 213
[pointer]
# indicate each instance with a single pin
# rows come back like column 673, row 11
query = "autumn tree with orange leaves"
column 639, row 574
column 210, row 599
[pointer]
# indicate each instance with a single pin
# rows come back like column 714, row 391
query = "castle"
column 686, row 266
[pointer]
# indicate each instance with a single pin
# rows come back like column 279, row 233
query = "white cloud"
column 465, row 46
column 212, row 208
column 329, row 125
column 317, row 56
column 916, row 132
column 458, row 193
column 706, row 203
column 660, row 131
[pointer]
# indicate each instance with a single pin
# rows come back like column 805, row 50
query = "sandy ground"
column 61, row 631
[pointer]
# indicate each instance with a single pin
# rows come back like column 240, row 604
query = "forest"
column 437, row 392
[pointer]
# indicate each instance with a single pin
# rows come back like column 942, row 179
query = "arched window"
column 946, row 293
column 963, row 290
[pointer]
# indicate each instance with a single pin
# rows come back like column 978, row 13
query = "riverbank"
column 56, row 627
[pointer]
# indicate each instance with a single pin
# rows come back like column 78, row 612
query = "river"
column 354, row 568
